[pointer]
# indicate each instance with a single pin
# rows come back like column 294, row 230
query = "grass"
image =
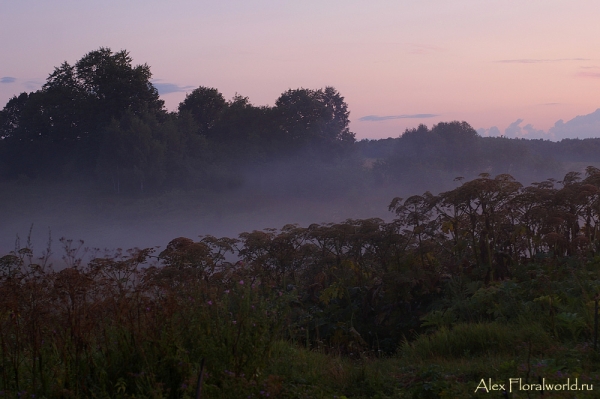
column 477, row 339
column 115, row 329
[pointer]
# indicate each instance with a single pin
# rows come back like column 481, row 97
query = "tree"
column 11, row 115
column 142, row 154
column 62, row 122
column 132, row 156
column 315, row 117
column 458, row 146
column 206, row 105
column 108, row 84
column 246, row 132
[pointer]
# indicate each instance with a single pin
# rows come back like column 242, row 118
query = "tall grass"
column 477, row 339
column 113, row 328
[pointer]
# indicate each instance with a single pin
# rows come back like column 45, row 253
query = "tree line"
column 102, row 118
column 451, row 149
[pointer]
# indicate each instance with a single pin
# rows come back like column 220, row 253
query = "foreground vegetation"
column 491, row 280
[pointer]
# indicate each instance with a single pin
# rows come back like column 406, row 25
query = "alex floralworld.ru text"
column 517, row 384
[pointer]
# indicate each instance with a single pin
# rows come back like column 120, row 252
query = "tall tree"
column 314, row 117
column 108, row 84
column 206, row 105
column 62, row 122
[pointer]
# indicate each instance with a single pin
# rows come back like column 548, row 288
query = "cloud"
column 166, row 88
column 491, row 132
column 7, row 79
column 531, row 133
column 375, row 118
column 539, row 60
column 582, row 126
column 593, row 75
column 514, row 130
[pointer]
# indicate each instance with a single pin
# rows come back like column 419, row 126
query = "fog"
column 300, row 191
column 81, row 212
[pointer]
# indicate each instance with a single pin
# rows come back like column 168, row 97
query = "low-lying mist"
column 94, row 156
column 299, row 191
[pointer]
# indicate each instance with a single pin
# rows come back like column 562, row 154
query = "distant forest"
column 102, row 120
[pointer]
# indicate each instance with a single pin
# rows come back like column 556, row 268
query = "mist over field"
column 106, row 221
column 94, row 156
column 267, row 197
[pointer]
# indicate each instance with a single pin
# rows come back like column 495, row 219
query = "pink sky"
column 489, row 62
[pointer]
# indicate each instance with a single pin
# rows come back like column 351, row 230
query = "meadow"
column 488, row 282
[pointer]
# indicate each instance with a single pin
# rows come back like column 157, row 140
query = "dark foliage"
column 57, row 130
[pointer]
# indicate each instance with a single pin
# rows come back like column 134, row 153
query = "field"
column 488, row 287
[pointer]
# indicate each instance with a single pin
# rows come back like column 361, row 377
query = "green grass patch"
column 476, row 339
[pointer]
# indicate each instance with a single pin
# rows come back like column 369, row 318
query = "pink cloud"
column 593, row 75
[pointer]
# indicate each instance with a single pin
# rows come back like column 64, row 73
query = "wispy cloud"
column 539, row 60
column 593, row 75
column 376, row 118
column 7, row 79
column 166, row 88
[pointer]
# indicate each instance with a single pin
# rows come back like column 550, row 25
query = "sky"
column 515, row 68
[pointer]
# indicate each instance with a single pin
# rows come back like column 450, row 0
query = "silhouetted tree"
column 314, row 117
column 205, row 104
column 59, row 125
